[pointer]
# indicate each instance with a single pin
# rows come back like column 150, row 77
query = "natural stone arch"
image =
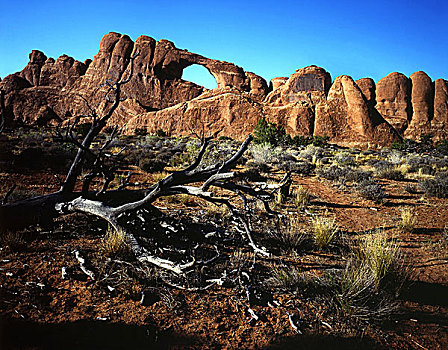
column 200, row 75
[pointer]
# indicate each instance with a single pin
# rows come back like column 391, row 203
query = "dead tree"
column 111, row 205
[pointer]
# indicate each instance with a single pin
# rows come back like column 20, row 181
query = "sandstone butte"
column 351, row 113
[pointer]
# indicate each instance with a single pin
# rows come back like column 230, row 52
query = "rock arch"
column 200, row 75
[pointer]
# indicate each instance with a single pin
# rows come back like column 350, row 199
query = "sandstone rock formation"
column 275, row 83
column 307, row 103
column 309, row 84
column 368, row 89
column 439, row 125
column 422, row 98
column 393, row 94
column 346, row 118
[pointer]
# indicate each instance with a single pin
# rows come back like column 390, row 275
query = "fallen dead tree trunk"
column 195, row 180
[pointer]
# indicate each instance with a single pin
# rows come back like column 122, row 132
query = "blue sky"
column 269, row 38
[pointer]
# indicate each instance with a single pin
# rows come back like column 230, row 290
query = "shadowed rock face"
column 439, row 125
column 306, row 103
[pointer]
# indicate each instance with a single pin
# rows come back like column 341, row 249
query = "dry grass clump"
column 290, row 278
column 13, row 240
column 214, row 211
column 324, row 231
column 290, row 234
column 380, row 255
column 408, row 220
column 279, row 198
column 358, row 296
column 114, row 243
column 301, row 197
column 372, row 279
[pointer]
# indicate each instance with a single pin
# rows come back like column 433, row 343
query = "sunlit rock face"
column 307, row 103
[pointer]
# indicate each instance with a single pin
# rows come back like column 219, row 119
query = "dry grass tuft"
column 114, row 243
column 324, row 231
column 217, row 211
column 380, row 255
column 301, row 197
column 290, row 234
column 408, row 219
column 13, row 240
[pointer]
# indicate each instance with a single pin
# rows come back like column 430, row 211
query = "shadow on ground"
column 427, row 294
column 87, row 335
column 321, row 342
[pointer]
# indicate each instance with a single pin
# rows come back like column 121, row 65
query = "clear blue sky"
column 269, row 38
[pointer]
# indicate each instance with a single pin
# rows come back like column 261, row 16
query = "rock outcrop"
column 307, row 103
column 422, row 98
column 309, row 84
column 346, row 118
column 439, row 125
column 393, row 94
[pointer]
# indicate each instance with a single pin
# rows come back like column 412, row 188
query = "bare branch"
column 9, row 193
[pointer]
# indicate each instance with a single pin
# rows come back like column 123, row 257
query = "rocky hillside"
column 307, row 103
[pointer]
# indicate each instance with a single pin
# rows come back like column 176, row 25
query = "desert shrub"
column 152, row 165
column 412, row 189
column 290, row 278
column 408, row 219
column 357, row 287
column 424, row 165
column 320, row 141
column 371, row 190
column 344, row 158
column 300, row 140
column 335, row 173
column 324, row 230
column 358, row 296
column 312, row 153
column 263, row 153
column 298, row 167
column 217, row 212
column 390, row 173
column 161, row 133
column 60, row 155
column 406, row 145
column 437, row 187
column 31, row 158
column 395, row 157
column 254, row 171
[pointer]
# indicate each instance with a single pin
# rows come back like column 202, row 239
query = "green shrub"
column 161, row 133
column 266, row 132
column 442, row 146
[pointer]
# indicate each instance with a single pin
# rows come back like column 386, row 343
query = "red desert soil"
column 39, row 309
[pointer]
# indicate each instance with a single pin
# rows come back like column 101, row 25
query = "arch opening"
column 199, row 75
